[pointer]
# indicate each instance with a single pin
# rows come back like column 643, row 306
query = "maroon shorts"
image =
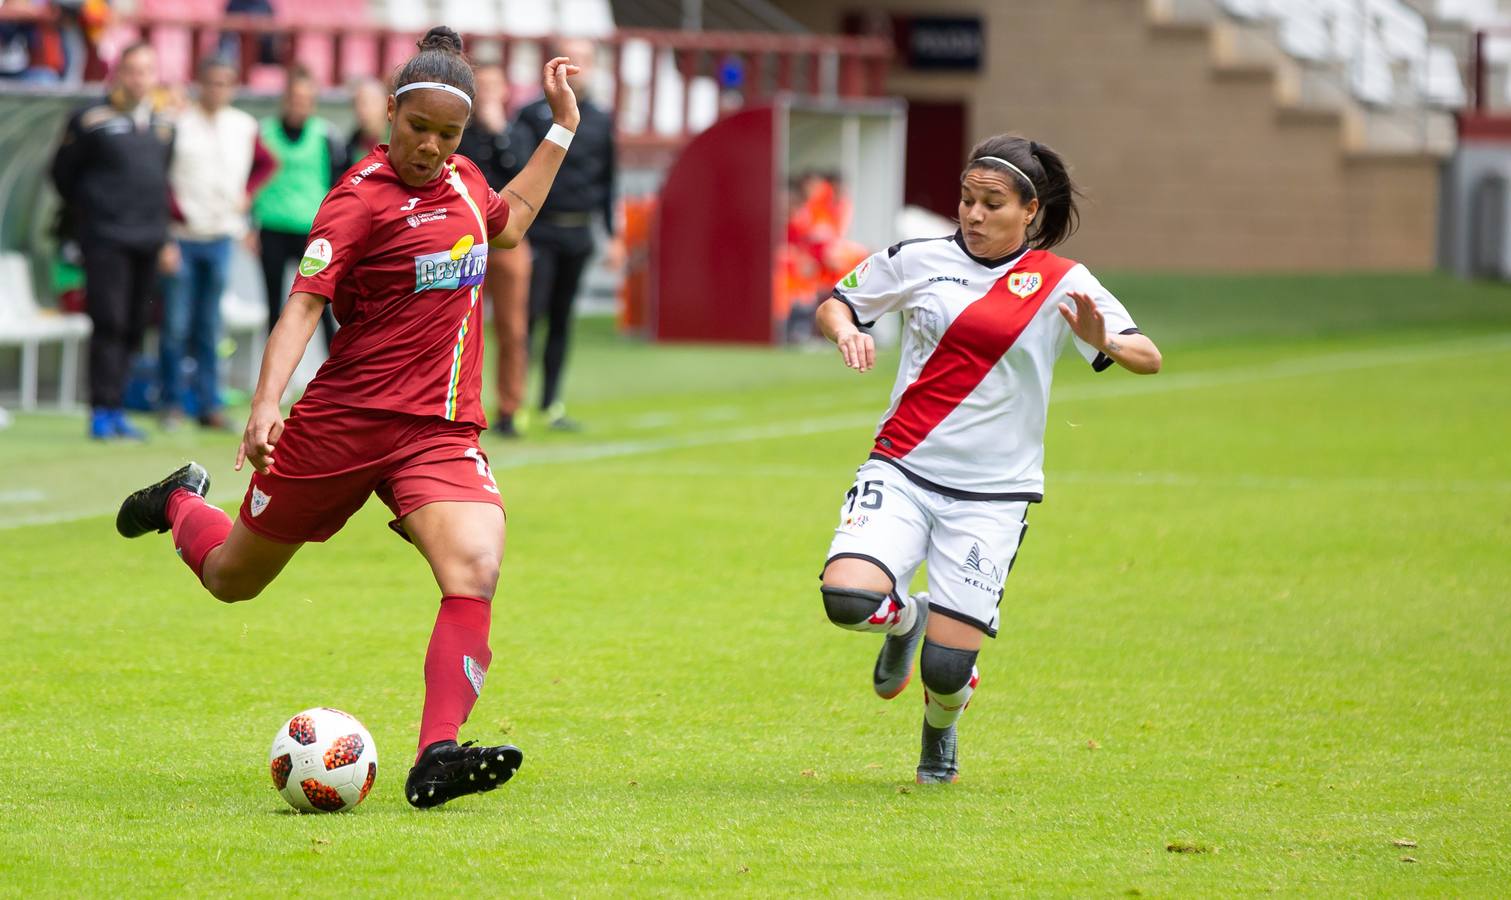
column 330, row 459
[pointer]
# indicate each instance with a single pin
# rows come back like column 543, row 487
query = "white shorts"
column 969, row 545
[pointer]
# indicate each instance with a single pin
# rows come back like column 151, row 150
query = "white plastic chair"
column 25, row 325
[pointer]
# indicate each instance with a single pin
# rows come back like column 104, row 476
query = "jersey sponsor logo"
column 981, row 565
column 430, row 215
column 410, row 205
column 462, row 266
column 858, row 275
column 260, row 502
column 963, row 282
column 1025, row 284
column 371, row 168
column 316, row 257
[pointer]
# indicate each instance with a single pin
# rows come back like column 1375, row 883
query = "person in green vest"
column 310, row 158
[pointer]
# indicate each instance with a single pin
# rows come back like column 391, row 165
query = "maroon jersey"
column 403, row 267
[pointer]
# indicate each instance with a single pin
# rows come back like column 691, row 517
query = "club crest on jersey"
column 858, row 275
column 259, row 502
column 461, row 266
column 1025, row 284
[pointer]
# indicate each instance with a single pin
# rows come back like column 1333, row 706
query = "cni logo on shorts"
column 259, row 502
column 981, row 565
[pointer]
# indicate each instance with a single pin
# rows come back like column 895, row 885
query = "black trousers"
column 279, row 250
column 119, row 284
column 558, row 257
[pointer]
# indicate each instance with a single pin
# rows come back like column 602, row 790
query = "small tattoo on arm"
column 1113, row 346
column 521, row 199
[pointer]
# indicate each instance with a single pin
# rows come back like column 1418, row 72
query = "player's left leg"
column 448, row 504
column 971, row 551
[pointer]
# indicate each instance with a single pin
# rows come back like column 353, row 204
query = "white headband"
column 998, row 159
column 435, row 86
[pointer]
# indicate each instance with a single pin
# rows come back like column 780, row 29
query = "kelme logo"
column 316, row 257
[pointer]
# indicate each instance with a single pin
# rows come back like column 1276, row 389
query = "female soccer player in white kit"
column 959, row 454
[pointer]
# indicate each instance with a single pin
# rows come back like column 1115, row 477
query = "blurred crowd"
column 816, row 254
column 160, row 183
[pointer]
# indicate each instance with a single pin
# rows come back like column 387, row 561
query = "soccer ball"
column 323, row 760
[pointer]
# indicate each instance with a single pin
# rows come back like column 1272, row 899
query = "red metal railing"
column 754, row 65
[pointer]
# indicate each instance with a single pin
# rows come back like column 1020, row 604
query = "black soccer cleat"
column 147, row 509
column 894, row 664
column 448, row 770
column 939, row 761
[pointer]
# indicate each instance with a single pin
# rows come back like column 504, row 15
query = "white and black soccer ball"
column 323, row 760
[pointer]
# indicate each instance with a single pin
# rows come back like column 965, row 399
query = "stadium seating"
column 1383, row 48
column 25, row 325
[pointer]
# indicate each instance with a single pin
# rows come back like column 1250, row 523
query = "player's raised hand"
column 264, row 427
column 857, row 349
column 559, row 94
column 1086, row 321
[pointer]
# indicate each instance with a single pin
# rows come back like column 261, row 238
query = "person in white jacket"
column 218, row 162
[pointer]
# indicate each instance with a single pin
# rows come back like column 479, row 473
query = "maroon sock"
column 454, row 666
column 198, row 528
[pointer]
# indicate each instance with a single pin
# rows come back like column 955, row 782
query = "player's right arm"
column 285, row 347
column 338, row 239
column 873, row 288
column 838, row 325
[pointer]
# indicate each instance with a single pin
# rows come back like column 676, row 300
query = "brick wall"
column 1186, row 164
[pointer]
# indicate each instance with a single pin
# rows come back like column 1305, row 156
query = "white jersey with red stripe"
column 980, row 340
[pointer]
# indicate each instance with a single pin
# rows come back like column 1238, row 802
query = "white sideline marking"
column 1126, row 479
column 1346, row 361
column 22, row 496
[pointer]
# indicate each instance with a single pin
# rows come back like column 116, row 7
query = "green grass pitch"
column 1264, row 618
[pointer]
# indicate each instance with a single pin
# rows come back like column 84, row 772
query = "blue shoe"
column 101, row 425
column 123, row 427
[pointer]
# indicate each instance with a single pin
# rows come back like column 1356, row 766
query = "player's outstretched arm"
column 526, row 193
column 1134, row 352
column 285, row 347
column 838, row 325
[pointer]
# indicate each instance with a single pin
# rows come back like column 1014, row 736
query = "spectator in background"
column 219, row 161
column 561, row 240
column 111, row 170
column 370, row 109
column 310, row 159
column 501, row 151
column 25, row 52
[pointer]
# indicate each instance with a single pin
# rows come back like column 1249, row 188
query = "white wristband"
column 559, row 136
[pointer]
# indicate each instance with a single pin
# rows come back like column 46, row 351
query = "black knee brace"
column 945, row 670
column 848, row 607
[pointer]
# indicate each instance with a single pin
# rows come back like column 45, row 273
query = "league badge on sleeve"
column 857, row 276
column 316, row 257
column 1024, row 284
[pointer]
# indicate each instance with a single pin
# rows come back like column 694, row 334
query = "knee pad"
column 849, row 607
column 946, row 670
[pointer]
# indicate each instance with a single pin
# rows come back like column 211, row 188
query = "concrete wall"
column 1186, row 164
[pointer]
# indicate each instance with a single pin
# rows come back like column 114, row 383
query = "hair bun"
column 443, row 39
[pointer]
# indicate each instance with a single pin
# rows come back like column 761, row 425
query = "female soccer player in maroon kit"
column 399, row 250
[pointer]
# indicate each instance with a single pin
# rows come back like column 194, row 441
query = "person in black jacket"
column 501, row 151
column 111, row 170
column 561, row 239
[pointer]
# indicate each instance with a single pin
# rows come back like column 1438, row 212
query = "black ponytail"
column 440, row 60
column 1042, row 174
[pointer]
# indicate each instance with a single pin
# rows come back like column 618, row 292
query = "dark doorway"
column 936, row 151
